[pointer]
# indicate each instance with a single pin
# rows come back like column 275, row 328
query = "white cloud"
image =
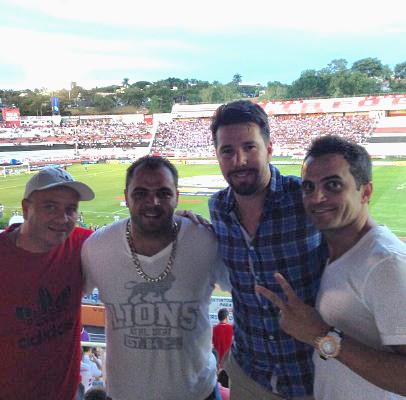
column 141, row 36
column 226, row 15
column 59, row 59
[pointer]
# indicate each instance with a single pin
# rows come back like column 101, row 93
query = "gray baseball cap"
column 51, row 177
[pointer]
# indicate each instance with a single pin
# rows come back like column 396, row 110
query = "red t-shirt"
column 40, row 300
column 222, row 339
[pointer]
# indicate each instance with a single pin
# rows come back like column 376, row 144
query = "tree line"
column 367, row 76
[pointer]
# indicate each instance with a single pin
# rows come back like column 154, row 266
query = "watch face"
column 328, row 347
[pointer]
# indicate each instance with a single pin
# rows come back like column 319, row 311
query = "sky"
column 95, row 43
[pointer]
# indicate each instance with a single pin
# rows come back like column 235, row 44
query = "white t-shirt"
column 158, row 334
column 363, row 293
column 88, row 373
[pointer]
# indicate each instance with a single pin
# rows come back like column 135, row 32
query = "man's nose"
column 241, row 157
column 153, row 198
column 318, row 196
column 63, row 215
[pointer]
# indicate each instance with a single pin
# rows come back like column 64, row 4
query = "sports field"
column 388, row 205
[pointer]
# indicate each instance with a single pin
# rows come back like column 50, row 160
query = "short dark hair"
column 356, row 156
column 237, row 112
column 95, row 394
column 152, row 163
column 222, row 314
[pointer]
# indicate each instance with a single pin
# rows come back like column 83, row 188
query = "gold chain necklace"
column 137, row 263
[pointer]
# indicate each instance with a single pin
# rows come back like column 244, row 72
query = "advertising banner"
column 55, row 105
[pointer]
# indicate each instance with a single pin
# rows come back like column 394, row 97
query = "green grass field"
column 388, row 205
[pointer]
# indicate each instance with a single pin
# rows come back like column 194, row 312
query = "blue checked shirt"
column 286, row 242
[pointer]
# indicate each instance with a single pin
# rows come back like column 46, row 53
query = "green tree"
column 310, row 84
column 160, row 99
column 372, row 67
column 275, row 90
column 400, row 71
column 219, row 94
column 134, row 96
column 9, row 97
column 34, row 103
column 337, row 65
column 346, row 83
column 141, row 84
column 103, row 103
column 248, row 90
column 125, row 83
column 237, row 79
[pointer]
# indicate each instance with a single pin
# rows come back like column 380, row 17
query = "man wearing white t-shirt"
column 88, row 371
column 155, row 273
column 359, row 325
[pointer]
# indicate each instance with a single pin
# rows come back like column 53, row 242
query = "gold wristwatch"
column 329, row 346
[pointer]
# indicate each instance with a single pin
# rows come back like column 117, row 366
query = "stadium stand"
column 389, row 137
column 377, row 122
column 90, row 140
column 184, row 139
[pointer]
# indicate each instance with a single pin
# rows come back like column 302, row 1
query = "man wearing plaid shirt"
column 262, row 228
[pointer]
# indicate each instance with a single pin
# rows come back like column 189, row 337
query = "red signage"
column 11, row 117
column 149, row 119
column 351, row 104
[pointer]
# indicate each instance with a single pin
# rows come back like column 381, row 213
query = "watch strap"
column 335, row 331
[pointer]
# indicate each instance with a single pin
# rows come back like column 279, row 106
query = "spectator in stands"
column 89, row 357
column 96, row 394
column 183, row 138
column 222, row 335
column 42, row 288
column 89, row 368
column 155, row 272
column 291, row 134
column 84, row 335
column 358, row 326
column 262, row 228
column 98, row 355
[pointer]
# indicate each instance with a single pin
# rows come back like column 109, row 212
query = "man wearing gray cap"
column 40, row 301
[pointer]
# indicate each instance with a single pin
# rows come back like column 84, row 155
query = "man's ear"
column 269, row 150
column 24, row 205
column 367, row 192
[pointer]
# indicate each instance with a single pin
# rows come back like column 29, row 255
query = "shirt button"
column 272, row 337
column 251, row 248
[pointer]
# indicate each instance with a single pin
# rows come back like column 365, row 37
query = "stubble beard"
column 245, row 189
column 154, row 231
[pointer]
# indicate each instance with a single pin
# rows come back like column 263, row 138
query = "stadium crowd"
column 293, row 133
column 89, row 135
column 184, row 137
column 290, row 134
